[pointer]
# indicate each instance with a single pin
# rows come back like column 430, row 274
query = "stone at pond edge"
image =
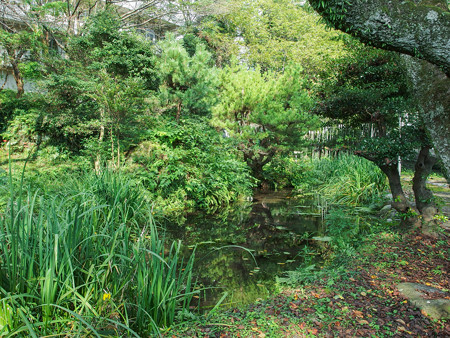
column 386, row 209
column 435, row 308
column 322, row 239
column 446, row 225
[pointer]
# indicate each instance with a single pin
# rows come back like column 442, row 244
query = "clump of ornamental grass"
column 347, row 179
column 80, row 263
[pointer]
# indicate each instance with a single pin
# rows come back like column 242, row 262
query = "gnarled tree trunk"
column 18, row 78
column 424, row 196
column 432, row 93
column 400, row 202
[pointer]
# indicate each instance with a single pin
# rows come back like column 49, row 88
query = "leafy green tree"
column 31, row 30
column 120, row 105
column 104, row 46
column 97, row 96
column 188, row 82
column 369, row 97
column 272, row 34
column 28, row 29
column 18, row 50
column 417, row 28
column 266, row 113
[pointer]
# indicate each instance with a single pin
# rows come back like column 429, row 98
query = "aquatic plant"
column 82, row 265
column 346, row 179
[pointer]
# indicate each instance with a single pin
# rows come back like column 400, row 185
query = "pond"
column 242, row 249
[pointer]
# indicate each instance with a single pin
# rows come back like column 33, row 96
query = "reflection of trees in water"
column 232, row 270
column 270, row 228
column 263, row 227
column 273, row 230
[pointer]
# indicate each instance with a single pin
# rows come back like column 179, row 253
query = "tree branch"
column 416, row 28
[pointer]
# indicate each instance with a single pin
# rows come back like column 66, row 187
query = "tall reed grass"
column 81, row 263
column 347, row 179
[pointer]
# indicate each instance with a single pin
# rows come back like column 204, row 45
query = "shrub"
column 191, row 163
column 21, row 118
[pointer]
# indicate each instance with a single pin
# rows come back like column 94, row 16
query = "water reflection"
column 272, row 229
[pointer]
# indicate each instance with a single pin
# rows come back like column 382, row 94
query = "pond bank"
column 362, row 301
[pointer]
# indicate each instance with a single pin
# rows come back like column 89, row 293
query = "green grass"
column 346, row 179
column 82, row 262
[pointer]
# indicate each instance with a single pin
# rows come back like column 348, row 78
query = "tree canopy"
column 272, row 34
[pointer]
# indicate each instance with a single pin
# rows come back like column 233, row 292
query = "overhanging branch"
column 417, row 28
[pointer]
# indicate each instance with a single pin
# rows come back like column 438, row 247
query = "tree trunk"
column 424, row 196
column 400, row 202
column 256, row 161
column 409, row 216
column 18, row 78
column 432, row 93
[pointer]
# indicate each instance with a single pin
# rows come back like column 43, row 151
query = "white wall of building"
column 11, row 84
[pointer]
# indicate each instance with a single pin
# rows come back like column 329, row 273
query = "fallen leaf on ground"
column 312, row 331
column 358, row 313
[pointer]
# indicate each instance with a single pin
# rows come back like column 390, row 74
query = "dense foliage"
column 272, row 34
column 97, row 97
column 87, row 263
column 187, row 164
column 370, row 99
column 267, row 113
column 122, row 130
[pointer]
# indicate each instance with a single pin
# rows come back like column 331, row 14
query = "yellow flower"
column 106, row 296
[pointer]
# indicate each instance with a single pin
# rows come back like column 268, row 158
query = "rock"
column 322, row 239
column 384, row 210
column 416, row 294
column 446, row 225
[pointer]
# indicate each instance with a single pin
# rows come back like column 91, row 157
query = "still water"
column 242, row 249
